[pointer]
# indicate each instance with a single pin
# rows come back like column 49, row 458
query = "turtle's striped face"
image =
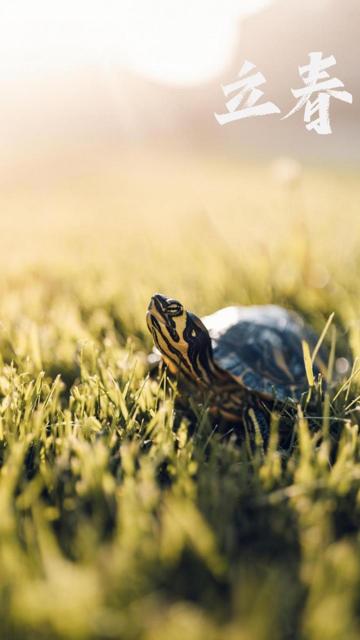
column 181, row 337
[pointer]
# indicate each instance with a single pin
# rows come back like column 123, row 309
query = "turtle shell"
column 261, row 347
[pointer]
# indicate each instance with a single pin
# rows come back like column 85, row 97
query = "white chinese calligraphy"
column 317, row 81
column 314, row 96
column 248, row 94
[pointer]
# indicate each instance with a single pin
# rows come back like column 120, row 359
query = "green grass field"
column 121, row 516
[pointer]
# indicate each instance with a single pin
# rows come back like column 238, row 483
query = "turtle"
column 246, row 357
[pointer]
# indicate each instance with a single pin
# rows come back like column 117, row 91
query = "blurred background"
column 108, row 135
column 94, row 79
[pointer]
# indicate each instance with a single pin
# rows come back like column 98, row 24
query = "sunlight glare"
column 164, row 40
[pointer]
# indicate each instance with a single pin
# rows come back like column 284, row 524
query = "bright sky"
column 169, row 40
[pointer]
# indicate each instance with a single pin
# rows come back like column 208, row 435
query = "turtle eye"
column 174, row 308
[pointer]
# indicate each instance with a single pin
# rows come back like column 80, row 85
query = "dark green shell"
column 261, row 347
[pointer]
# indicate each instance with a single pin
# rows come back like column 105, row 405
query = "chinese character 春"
column 247, row 96
column 317, row 81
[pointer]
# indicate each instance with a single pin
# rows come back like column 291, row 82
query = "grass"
column 123, row 515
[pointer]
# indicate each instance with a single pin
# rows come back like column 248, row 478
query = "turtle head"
column 181, row 337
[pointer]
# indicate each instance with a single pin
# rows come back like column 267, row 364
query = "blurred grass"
column 120, row 518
